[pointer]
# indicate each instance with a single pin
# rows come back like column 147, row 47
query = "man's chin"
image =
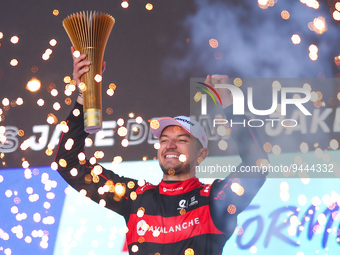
column 174, row 169
column 167, row 167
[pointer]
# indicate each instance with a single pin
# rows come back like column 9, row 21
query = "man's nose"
column 171, row 144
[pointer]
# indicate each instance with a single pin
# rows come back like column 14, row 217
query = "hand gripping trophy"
column 89, row 33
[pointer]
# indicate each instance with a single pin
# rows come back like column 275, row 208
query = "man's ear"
column 202, row 155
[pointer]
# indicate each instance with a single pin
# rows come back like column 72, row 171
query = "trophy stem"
column 93, row 92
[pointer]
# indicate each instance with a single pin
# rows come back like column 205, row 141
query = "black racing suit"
column 172, row 218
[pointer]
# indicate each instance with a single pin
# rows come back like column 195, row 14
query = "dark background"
column 151, row 56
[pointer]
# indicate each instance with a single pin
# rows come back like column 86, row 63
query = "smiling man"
column 180, row 138
column 180, row 215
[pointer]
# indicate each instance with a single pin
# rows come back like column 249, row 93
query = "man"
column 180, row 215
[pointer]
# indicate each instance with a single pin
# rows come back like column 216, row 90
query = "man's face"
column 175, row 153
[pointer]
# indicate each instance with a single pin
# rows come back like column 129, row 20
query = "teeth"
column 171, row 156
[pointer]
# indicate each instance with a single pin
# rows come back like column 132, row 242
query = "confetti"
column 125, row 4
column 14, row 62
column 53, row 42
column 154, row 124
column 296, row 39
column 98, row 78
column 198, row 96
column 55, row 12
column 149, row 6
column 213, row 43
column 182, row 158
column 33, row 85
column 285, row 15
column 14, row 39
column 171, row 171
column 139, row 120
column 122, row 131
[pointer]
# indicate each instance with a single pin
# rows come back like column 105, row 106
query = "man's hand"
column 80, row 67
column 226, row 96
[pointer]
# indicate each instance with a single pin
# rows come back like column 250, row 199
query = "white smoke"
column 254, row 42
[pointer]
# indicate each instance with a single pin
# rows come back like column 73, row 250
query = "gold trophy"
column 89, row 33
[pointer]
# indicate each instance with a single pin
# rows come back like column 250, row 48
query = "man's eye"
column 162, row 141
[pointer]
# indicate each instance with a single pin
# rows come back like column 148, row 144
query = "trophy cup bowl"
column 89, row 33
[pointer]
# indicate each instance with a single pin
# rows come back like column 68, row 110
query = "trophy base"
column 92, row 120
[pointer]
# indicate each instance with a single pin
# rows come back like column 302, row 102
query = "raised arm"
column 101, row 185
column 231, row 196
